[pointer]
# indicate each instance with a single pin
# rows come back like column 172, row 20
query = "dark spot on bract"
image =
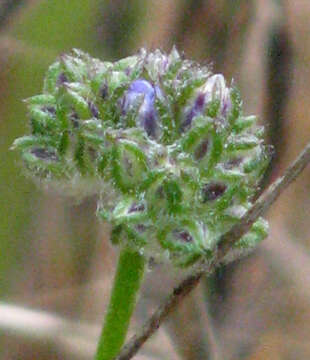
column 213, row 191
column 160, row 192
column 200, row 101
column 49, row 109
column 103, row 91
column 62, row 78
column 122, row 106
column 93, row 109
column 183, row 236
column 149, row 123
column 128, row 70
column 232, row 163
column 201, row 150
column 44, row 154
column 92, row 153
column 188, row 120
column 136, row 208
column 74, row 119
column 140, row 228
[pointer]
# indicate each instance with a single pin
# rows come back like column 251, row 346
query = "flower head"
column 162, row 141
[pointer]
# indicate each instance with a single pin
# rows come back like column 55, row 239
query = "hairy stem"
column 127, row 282
column 225, row 245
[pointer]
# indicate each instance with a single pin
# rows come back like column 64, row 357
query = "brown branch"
column 225, row 245
column 151, row 325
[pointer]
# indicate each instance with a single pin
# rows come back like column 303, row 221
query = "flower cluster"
column 161, row 140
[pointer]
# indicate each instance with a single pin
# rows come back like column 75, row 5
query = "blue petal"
column 143, row 90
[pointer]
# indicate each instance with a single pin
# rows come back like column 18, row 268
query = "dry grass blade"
column 74, row 338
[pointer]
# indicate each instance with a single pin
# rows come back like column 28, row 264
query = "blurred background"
column 56, row 264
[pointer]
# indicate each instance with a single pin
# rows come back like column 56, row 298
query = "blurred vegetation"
column 54, row 254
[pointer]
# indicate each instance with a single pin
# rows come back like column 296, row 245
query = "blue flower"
column 214, row 89
column 143, row 94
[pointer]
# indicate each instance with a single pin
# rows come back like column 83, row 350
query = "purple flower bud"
column 226, row 104
column 137, row 89
column 93, row 109
column 195, row 110
column 214, row 89
column 157, row 63
column 142, row 90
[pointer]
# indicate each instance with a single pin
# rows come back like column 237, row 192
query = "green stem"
column 127, row 282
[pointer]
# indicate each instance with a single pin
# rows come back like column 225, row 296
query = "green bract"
column 162, row 141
